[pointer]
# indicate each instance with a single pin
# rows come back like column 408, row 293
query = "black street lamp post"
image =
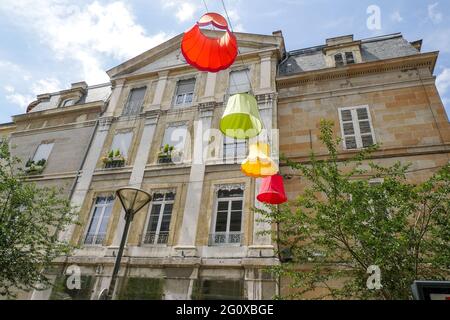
column 132, row 201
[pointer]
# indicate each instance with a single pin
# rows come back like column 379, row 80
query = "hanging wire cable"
column 239, row 51
column 206, row 6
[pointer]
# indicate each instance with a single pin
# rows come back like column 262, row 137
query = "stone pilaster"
column 186, row 245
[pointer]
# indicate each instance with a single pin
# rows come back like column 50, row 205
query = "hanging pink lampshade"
column 272, row 190
column 210, row 54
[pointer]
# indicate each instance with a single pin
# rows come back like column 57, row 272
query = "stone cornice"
column 390, row 152
column 69, row 126
column 59, row 111
column 305, row 96
column 360, row 69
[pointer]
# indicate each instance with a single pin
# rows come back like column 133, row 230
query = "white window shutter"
column 43, row 152
column 239, row 82
column 356, row 127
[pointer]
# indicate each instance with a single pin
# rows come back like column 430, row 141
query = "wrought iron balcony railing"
column 225, row 238
column 156, row 238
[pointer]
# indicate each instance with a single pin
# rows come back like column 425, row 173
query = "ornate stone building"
column 199, row 237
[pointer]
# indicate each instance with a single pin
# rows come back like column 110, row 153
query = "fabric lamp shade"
column 258, row 163
column 209, row 54
column 241, row 119
column 272, row 190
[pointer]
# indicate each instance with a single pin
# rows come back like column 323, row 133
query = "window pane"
column 239, row 82
column 94, row 222
column 135, row 102
column 158, row 197
column 362, row 114
column 165, row 223
column 222, row 206
column 235, row 221
column 350, row 143
column 346, row 115
column 367, row 141
column 221, row 221
column 348, row 128
column 241, row 149
column 339, row 60
column 43, row 152
column 236, row 205
column 349, row 57
column 154, row 218
column 122, row 142
column 230, row 193
column 170, row 196
column 218, row 290
column 364, row 127
column 185, row 86
column 189, row 97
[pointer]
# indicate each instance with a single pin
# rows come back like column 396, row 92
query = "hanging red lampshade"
column 209, row 54
column 272, row 190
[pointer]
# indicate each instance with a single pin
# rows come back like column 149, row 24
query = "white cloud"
column 183, row 10
column 186, row 12
column 443, row 81
column 396, row 17
column 9, row 88
column 20, row 100
column 434, row 15
column 46, row 86
column 85, row 34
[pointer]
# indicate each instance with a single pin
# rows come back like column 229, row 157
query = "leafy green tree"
column 341, row 224
column 30, row 220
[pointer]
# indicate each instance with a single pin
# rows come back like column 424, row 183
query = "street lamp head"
column 133, row 199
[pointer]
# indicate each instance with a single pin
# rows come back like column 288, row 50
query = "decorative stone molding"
column 207, row 109
column 152, row 117
column 105, row 123
column 360, row 69
column 229, row 187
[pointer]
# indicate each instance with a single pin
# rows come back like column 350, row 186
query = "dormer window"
column 68, row 103
column 342, row 59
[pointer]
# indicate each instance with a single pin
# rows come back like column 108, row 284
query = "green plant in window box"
column 35, row 167
column 114, row 158
column 166, row 153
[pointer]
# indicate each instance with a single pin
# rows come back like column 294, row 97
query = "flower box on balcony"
column 34, row 168
column 114, row 159
column 165, row 154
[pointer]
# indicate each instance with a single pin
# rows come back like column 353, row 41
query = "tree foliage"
column 30, row 220
column 341, row 224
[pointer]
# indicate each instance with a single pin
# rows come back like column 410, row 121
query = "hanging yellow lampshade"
column 241, row 119
column 258, row 163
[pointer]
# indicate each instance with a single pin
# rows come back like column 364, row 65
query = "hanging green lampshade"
column 241, row 119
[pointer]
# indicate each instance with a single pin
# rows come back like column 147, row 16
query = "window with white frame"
column 342, row 59
column 122, row 142
column 43, row 152
column 101, row 212
column 158, row 225
column 356, row 127
column 239, row 82
column 135, row 102
column 234, row 149
column 228, row 216
column 185, row 92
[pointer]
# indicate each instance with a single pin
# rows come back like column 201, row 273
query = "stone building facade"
column 199, row 237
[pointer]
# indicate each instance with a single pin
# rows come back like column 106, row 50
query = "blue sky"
column 48, row 44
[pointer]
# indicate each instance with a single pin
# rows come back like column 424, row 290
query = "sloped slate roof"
column 372, row 49
column 94, row 93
